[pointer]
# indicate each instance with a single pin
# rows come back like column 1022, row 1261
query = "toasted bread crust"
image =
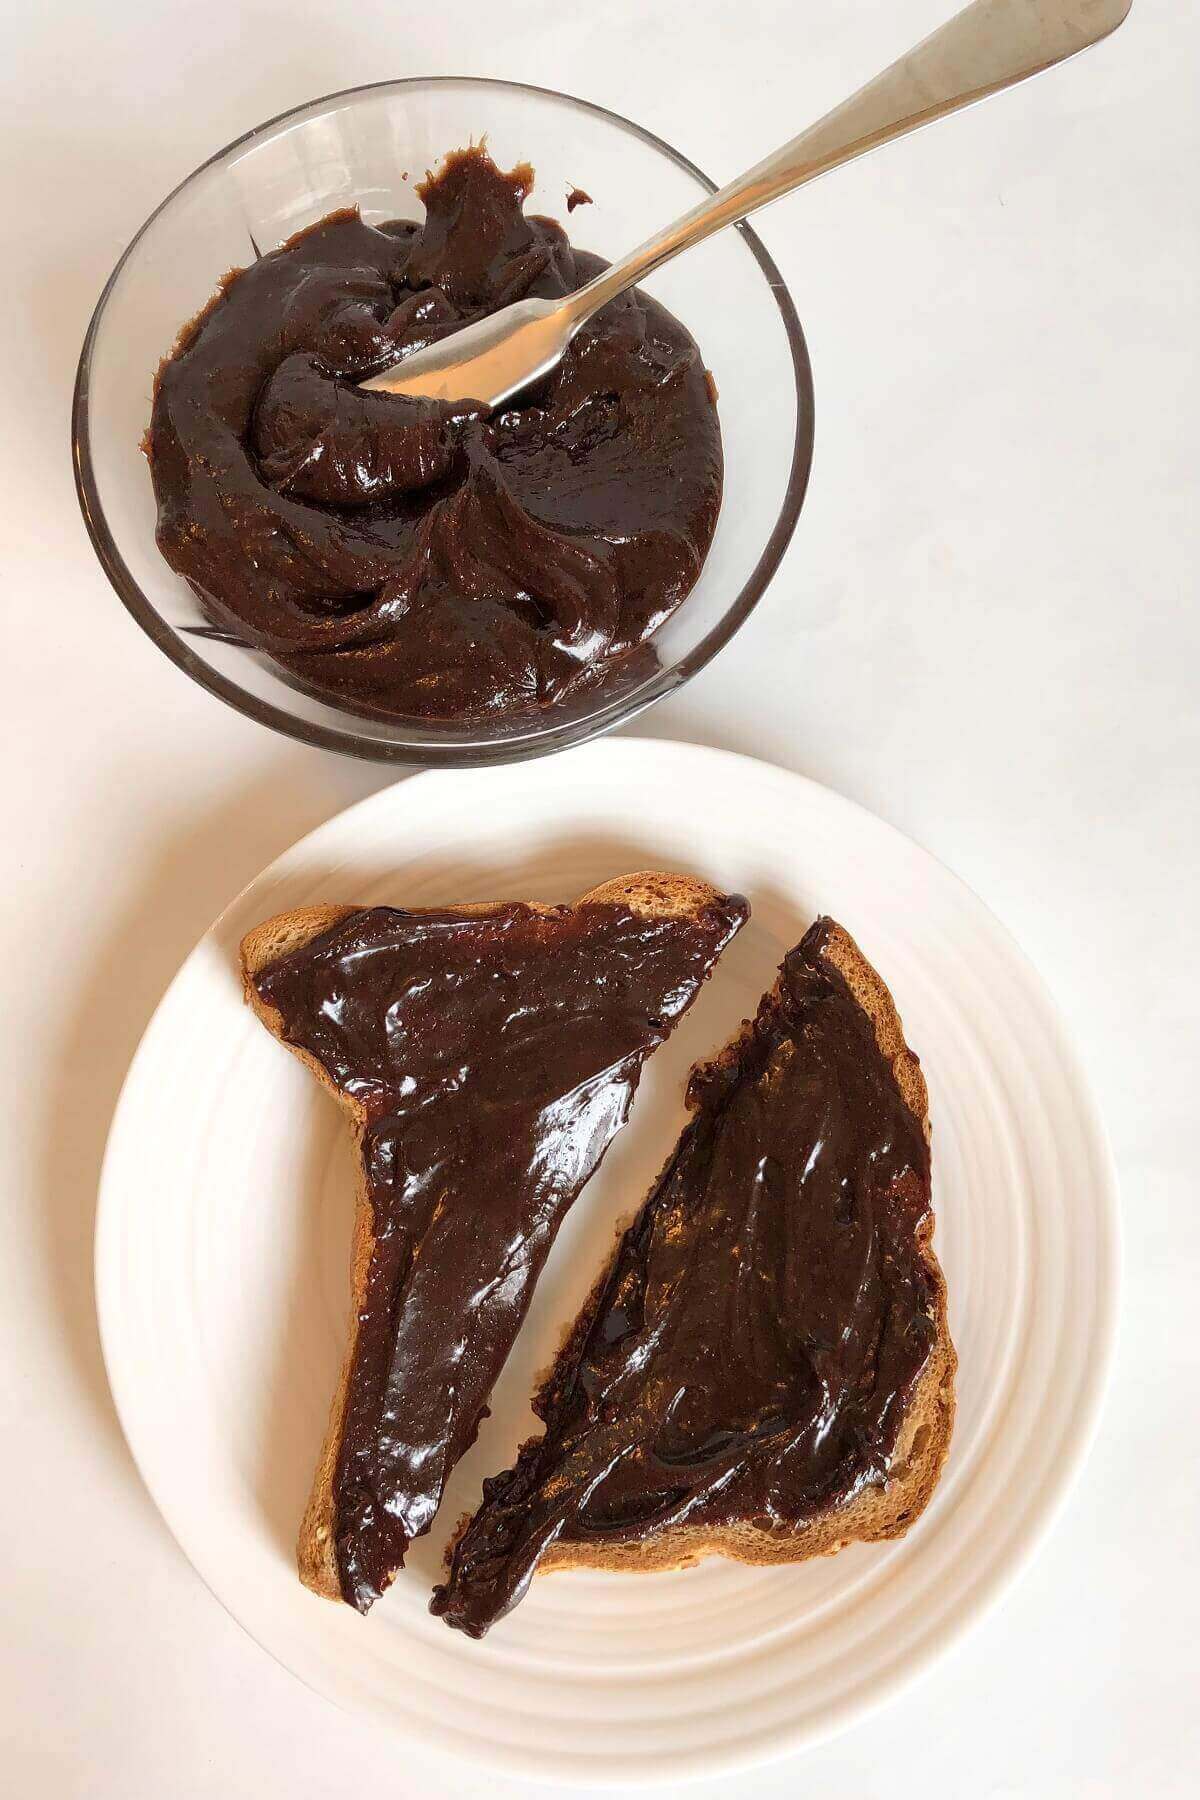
column 878, row 1512
column 650, row 894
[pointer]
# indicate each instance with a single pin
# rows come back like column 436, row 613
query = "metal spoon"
column 988, row 46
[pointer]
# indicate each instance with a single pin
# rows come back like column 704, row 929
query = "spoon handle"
column 990, row 45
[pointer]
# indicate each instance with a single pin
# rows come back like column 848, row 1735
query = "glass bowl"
column 369, row 146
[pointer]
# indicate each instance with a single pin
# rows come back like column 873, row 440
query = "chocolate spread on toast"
column 494, row 1055
column 750, row 1354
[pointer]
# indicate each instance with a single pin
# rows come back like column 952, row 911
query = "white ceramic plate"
column 222, row 1277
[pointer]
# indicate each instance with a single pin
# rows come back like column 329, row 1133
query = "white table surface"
column 989, row 627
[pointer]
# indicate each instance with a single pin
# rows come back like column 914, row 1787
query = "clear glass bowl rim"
column 486, row 750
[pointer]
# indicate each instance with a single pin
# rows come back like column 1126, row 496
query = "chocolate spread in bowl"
column 408, row 558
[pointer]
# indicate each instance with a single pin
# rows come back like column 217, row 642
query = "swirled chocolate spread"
column 492, row 1056
column 409, row 558
column 749, row 1355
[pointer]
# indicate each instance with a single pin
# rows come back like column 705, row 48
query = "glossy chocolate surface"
column 494, row 1057
column 406, row 558
column 750, row 1353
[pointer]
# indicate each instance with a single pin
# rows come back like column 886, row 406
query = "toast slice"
column 765, row 1370
column 486, row 1056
